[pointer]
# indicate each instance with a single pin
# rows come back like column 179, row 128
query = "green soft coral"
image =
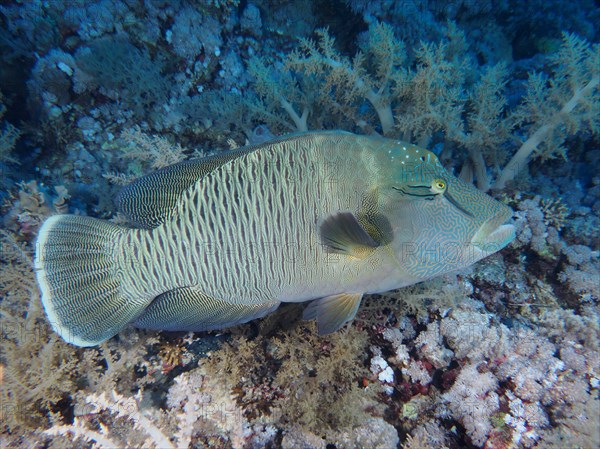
column 317, row 78
column 566, row 104
column 368, row 76
column 443, row 95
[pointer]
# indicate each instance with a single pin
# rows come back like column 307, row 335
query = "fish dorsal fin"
column 148, row 201
column 332, row 312
column 342, row 233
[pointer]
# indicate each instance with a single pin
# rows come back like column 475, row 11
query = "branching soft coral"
column 38, row 368
column 319, row 377
column 563, row 105
column 438, row 96
column 158, row 150
column 431, row 97
column 487, row 127
column 119, row 407
column 347, row 83
column 472, row 400
column 154, row 152
column 9, row 134
column 278, row 90
column 443, row 96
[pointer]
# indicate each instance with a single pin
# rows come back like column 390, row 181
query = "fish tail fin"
column 78, row 264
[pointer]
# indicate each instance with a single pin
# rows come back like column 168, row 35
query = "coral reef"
column 505, row 354
column 9, row 134
column 441, row 94
column 32, row 205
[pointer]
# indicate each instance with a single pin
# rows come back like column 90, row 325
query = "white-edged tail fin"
column 77, row 263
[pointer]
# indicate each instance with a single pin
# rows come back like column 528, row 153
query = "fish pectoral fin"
column 187, row 309
column 332, row 312
column 342, row 233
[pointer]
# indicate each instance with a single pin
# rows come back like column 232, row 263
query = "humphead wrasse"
column 324, row 217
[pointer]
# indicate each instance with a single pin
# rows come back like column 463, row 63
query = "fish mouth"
column 494, row 234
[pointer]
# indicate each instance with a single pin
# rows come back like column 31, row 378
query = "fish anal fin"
column 187, row 309
column 332, row 312
column 342, row 233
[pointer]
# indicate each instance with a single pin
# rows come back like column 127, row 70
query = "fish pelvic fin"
column 77, row 264
column 332, row 312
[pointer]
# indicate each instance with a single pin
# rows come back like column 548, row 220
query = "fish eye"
column 438, row 186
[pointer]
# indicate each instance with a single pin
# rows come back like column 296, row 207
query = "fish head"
column 438, row 222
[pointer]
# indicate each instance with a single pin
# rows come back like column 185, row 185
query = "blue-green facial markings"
column 440, row 222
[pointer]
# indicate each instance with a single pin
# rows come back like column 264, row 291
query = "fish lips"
column 494, row 234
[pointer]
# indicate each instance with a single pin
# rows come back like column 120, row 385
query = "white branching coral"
column 430, row 344
column 473, row 400
column 394, row 336
column 117, row 406
column 204, row 402
column 373, row 433
column 471, row 334
column 381, row 368
column 538, row 380
column 155, row 149
column 199, row 406
column 524, row 418
column 417, row 373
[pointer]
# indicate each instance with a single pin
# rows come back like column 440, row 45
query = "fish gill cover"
column 97, row 95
